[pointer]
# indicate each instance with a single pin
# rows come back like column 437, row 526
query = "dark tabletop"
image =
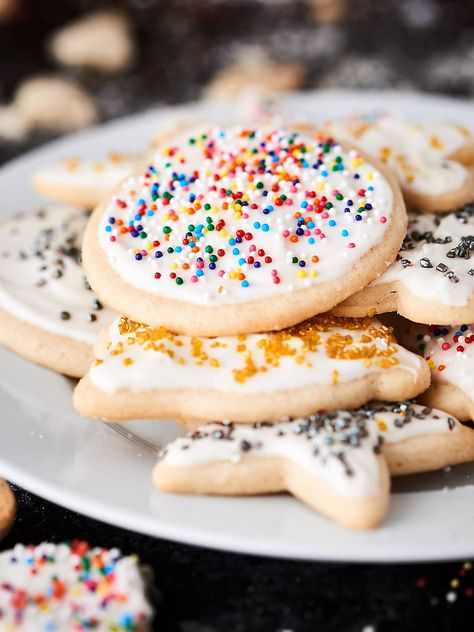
column 407, row 44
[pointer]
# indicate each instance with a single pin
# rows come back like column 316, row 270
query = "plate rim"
column 76, row 500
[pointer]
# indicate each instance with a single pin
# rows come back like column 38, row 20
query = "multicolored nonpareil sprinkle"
column 449, row 351
column 71, row 587
column 227, row 216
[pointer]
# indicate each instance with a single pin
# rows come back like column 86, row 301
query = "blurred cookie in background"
column 254, row 71
column 51, row 103
column 327, row 11
column 100, row 41
column 13, row 127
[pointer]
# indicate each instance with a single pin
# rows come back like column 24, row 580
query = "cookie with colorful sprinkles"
column 48, row 312
column 433, row 161
column 7, row 508
column 322, row 364
column 72, row 586
column 337, row 463
column 449, row 351
column 432, row 279
column 237, row 230
column 82, row 182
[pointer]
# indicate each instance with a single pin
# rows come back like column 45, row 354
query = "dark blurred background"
column 180, row 45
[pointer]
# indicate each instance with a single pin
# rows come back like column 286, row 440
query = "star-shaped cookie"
column 432, row 279
column 338, row 463
column 322, row 364
column 432, row 161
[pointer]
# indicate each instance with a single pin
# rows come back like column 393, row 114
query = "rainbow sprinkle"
column 243, row 208
column 71, row 586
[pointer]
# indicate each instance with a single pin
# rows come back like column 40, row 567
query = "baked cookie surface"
column 226, row 225
column 7, row 508
column 83, row 182
column 449, row 351
column 48, row 312
column 321, row 364
column 432, row 279
column 336, row 462
column 432, row 161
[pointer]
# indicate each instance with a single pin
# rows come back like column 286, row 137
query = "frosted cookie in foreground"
column 48, row 313
column 336, row 463
column 237, row 230
column 322, row 364
column 71, row 587
column 449, row 352
column 434, row 162
column 7, row 508
column 82, row 182
column 432, row 279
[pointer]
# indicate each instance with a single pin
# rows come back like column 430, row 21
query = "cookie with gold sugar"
column 322, row 364
column 434, row 162
column 82, row 182
column 48, row 312
column 432, row 279
column 337, row 463
column 239, row 230
column 7, row 508
column 449, row 351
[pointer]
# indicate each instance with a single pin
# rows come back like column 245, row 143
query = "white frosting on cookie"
column 338, row 446
column 435, row 260
column 230, row 216
column 41, row 279
column 324, row 350
column 418, row 153
column 450, row 355
column 71, row 587
column 101, row 176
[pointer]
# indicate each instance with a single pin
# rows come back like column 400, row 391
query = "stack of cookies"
column 241, row 269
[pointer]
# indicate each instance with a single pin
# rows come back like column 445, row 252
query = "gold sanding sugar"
column 277, row 345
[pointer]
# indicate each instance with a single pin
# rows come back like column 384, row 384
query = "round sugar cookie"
column 322, row 364
column 432, row 279
column 434, row 162
column 48, row 312
column 240, row 230
column 7, row 508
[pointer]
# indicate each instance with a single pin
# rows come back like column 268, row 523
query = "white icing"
column 101, row 176
column 430, row 283
column 418, row 153
column 22, row 238
column 70, row 603
column 337, row 246
column 184, row 452
column 173, row 363
column 450, row 366
column 301, row 437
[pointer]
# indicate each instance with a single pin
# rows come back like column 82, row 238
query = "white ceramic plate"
column 104, row 471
